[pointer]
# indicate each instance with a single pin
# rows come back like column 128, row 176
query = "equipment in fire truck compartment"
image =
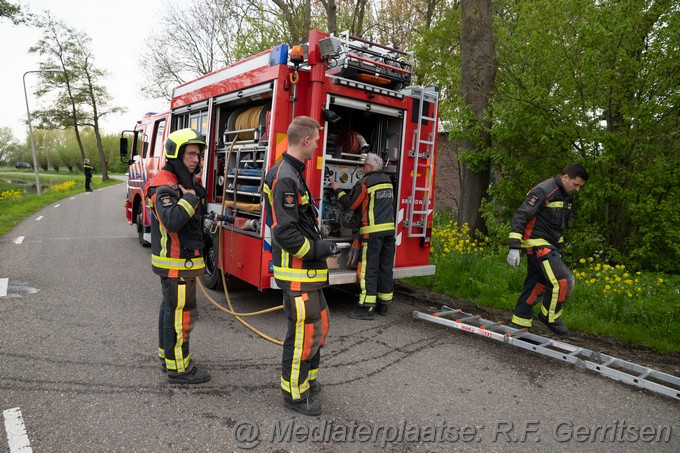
column 242, row 153
column 348, row 140
column 358, row 59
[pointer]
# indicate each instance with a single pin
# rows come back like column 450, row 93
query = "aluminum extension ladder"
column 582, row 359
column 423, row 160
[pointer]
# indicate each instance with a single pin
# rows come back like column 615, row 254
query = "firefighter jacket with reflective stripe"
column 87, row 169
column 542, row 217
column 292, row 218
column 176, row 228
column 374, row 194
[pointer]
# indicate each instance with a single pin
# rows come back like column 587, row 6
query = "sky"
column 118, row 30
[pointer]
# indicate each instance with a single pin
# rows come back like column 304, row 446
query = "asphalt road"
column 79, row 371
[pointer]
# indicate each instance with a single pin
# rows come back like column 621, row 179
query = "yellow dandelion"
column 582, row 261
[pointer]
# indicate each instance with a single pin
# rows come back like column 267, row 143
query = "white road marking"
column 19, row 240
column 16, row 431
column 38, row 218
column 57, row 205
column 72, row 198
column 4, row 283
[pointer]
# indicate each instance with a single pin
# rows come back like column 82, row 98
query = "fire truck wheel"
column 212, row 279
column 140, row 229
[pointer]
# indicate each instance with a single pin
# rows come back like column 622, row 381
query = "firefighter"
column 537, row 228
column 87, row 169
column 374, row 195
column 177, row 201
column 299, row 260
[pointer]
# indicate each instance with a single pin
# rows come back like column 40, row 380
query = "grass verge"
column 16, row 203
column 634, row 306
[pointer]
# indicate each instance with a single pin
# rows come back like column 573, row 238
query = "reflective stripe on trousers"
column 548, row 279
column 308, row 321
column 175, row 322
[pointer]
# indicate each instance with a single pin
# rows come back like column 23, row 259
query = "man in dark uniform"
column 299, row 260
column 374, row 195
column 537, row 228
column 177, row 201
column 87, row 169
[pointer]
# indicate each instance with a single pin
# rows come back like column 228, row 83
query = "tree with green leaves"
column 596, row 82
column 82, row 99
column 11, row 11
column 9, row 146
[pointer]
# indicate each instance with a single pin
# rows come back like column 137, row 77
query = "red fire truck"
column 359, row 91
column 148, row 137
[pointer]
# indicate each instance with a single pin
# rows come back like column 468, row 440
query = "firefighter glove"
column 354, row 253
column 513, row 258
column 324, row 249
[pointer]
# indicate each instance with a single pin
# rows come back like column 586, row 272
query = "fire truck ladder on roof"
column 423, row 160
column 582, row 359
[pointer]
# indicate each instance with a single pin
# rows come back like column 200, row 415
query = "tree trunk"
column 478, row 74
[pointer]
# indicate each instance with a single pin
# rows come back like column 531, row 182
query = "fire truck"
column 361, row 93
column 148, row 138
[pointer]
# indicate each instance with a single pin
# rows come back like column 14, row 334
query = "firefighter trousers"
column 548, row 279
column 175, row 322
column 308, row 320
column 375, row 270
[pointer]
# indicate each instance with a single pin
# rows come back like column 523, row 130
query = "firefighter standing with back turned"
column 177, row 201
column 299, row 260
column 374, row 195
column 537, row 227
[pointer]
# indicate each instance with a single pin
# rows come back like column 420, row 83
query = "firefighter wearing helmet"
column 177, row 201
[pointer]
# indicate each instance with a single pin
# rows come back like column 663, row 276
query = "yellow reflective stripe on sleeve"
column 376, row 228
column 187, row 206
column 304, row 199
column 555, row 204
column 534, row 242
column 341, row 194
column 306, row 246
column 515, row 236
column 300, row 275
column 164, row 262
column 268, row 191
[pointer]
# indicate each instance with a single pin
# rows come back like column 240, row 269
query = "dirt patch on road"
column 641, row 355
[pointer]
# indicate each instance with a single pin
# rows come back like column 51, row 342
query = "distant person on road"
column 373, row 197
column 87, row 169
column 537, row 228
column 299, row 260
column 177, row 202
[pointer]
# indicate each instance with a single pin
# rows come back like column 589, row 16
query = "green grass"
column 16, row 203
column 636, row 307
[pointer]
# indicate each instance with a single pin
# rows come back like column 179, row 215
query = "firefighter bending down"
column 374, row 194
column 537, row 228
column 177, row 201
column 299, row 259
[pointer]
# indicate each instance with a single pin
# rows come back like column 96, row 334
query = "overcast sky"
column 118, row 30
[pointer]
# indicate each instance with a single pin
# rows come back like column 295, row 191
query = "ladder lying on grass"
column 582, row 359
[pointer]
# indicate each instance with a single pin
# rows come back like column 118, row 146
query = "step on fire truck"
column 362, row 95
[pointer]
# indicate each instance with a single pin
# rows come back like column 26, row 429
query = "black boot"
column 305, row 406
column 314, row 388
column 362, row 312
column 557, row 327
column 193, row 376
column 381, row 308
